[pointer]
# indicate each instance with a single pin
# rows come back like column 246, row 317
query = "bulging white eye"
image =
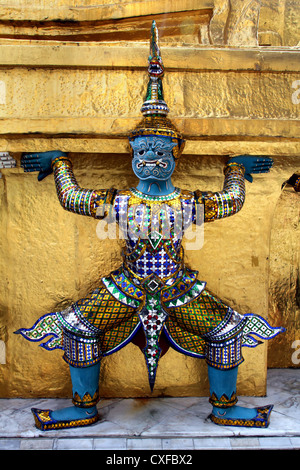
column 141, row 152
column 160, row 154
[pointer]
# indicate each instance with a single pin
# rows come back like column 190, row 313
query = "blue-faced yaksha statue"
column 153, row 296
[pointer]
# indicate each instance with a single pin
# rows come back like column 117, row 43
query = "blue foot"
column 240, row 416
column 71, row 417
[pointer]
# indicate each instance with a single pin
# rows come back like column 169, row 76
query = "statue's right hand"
column 40, row 161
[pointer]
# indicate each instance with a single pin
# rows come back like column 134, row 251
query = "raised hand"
column 257, row 164
column 40, row 161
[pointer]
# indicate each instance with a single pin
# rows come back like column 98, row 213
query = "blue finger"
column 260, row 171
column 265, row 168
column 263, row 157
column 262, row 166
column 30, row 157
column 31, row 169
column 262, row 162
column 31, row 165
column 31, row 162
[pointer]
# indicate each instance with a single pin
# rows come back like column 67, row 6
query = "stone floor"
column 160, row 424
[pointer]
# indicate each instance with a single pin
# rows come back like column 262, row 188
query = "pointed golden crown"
column 155, row 109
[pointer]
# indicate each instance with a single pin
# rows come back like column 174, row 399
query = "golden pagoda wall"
column 70, row 85
column 284, row 280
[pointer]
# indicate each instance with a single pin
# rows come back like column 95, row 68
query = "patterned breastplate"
column 153, row 229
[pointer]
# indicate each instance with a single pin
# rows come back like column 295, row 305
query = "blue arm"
column 258, row 164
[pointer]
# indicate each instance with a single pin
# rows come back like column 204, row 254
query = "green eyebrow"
column 144, row 145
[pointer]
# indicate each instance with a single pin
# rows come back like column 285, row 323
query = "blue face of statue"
column 152, row 158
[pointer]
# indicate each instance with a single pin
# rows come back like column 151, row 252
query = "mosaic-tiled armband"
column 76, row 199
column 227, row 202
column 103, row 203
column 295, row 181
column 210, row 205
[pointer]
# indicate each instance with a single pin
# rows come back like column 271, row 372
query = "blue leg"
column 223, row 398
column 85, row 383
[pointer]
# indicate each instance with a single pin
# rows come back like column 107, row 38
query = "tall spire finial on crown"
column 154, row 102
column 154, row 47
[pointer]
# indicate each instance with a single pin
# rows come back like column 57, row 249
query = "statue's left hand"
column 257, row 164
column 40, row 161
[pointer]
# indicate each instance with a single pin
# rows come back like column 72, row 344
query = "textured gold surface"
column 284, row 301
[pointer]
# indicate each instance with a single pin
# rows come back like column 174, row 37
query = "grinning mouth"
column 153, row 164
column 155, row 69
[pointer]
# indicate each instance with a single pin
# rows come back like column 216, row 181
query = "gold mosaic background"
column 77, row 85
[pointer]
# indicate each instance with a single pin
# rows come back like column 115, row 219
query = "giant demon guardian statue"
column 153, row 293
